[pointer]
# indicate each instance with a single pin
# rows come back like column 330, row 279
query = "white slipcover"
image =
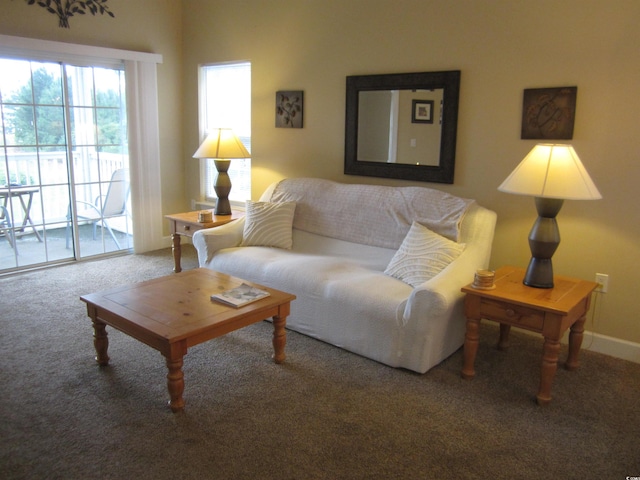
column 343, row 239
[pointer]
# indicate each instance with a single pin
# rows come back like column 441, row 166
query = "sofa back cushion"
column 369, row 214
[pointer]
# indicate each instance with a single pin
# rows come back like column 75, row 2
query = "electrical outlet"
column 602, row 279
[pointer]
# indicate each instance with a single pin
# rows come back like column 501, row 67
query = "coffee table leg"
column 279, row 338
column 100, row 338
column 175, row 383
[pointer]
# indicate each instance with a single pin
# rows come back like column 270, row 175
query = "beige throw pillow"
column 422, row 255
column 268, row 225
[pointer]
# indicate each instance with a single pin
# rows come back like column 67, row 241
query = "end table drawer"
column 187, row 229
column 512, row 314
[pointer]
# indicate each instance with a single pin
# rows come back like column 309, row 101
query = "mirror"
column 402, row 125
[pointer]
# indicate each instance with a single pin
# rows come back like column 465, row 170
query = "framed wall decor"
column 289, row 109
column 422, row 111
column 549, row 113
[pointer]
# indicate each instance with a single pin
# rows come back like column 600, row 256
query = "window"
column 225, row 102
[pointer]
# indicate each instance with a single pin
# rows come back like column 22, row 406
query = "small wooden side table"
column 549, row 311
column 187, row 224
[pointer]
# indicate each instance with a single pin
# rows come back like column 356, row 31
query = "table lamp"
column 551, row 173
column 222, row 145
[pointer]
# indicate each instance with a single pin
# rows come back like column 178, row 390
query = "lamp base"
column 222, row 187
column 544, row 239
column 223, row 207
column 539, row 273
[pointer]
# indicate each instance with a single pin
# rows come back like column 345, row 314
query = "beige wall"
column 153, row 26
column 501, row 47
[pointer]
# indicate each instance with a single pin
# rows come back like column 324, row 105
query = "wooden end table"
column 549, row 311
column 175, row 312
column 187, row 224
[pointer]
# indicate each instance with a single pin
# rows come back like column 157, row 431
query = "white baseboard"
column 611, row 346
column 595, row 342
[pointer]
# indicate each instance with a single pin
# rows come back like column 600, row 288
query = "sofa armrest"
column 208, row 241
column 437, row 296
column 440, row 294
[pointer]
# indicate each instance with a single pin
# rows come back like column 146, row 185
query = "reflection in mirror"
column 402, row 125
column 390, row 131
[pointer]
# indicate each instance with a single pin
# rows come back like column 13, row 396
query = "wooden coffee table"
column 175, row 312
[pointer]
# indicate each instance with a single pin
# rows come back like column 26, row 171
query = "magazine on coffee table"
column 239, row 296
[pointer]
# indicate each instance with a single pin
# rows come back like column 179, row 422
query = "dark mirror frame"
column 447, row 80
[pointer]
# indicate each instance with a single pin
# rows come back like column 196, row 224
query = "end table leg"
column 503, row 343
column 548, row 371
column 279, row 338
column 575, row 342
column 175, row 383
column 100, row 341
column 177, row 252
column 470, row 347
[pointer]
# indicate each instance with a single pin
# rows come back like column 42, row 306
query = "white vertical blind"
column 144, row 155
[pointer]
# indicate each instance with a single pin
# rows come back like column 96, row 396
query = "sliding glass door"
column 64, row 185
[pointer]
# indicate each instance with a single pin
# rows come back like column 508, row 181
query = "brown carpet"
column 324, row 414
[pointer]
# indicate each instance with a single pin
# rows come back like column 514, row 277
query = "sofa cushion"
column 422, row 255
column 369, row 214
column 268, row 224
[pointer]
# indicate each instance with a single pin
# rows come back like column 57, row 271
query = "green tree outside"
column 42, row 106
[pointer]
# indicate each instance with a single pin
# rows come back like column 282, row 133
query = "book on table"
column 240, row 296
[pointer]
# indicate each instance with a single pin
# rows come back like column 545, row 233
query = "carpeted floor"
column 324, row 414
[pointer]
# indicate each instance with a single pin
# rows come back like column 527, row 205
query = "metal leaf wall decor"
column 65, row 9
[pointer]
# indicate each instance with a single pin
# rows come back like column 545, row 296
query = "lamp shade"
column 551, row 171
column 222, row 143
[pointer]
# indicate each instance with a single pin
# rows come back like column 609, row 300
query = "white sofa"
column 344, row 238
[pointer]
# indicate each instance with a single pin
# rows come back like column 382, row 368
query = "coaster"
column 483, row 280
column 205, row 217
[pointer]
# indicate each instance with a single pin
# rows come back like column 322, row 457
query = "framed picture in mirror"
column 422, row 111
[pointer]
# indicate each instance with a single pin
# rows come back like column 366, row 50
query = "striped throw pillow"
column 268, row 225
column 422, row 255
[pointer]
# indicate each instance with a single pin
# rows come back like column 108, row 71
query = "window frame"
column 207, row 168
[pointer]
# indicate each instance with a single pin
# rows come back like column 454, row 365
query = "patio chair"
column 6, row 227
column 111, row 205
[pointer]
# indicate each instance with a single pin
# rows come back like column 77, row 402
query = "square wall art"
column 549, row 113
column 289, row 109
